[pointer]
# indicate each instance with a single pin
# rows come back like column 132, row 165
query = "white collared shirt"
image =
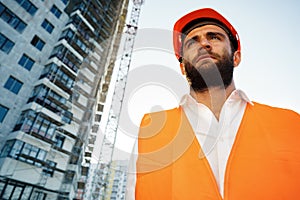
column 215, row 137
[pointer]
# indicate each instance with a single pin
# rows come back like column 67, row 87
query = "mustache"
column 205, row 53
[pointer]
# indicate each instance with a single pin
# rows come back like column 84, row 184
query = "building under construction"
column 57, row 58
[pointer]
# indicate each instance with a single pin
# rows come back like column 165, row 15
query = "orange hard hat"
column 198, row 17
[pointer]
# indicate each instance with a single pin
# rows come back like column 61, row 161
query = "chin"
column 207, row 63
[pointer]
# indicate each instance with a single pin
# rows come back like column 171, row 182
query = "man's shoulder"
column 268, row 108
column 273, row 113
column 167, row 111
column 162, row 115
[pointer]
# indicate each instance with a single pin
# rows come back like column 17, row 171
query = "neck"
column 214, row 97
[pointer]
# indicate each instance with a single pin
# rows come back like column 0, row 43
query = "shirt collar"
column 235, row 95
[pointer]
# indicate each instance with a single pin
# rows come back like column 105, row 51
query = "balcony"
column 42, row 91
column 67, row 60
column 78, row 41
column 84, row 30
column 59, row 77
column 83, row 19
column 68, row 55
column 37, row 124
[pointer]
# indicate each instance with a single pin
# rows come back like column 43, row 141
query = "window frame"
column 14, row 85
column 59, row 140
column 26, row 62
column 6, row 44
column 28, row 6
column 31, row 122
column 12, row 19
column 65, row 1
column 38, row 43
column 3, row 112
column 15, row 148
column 49, row 27
column 49, row 168
column 55, row 11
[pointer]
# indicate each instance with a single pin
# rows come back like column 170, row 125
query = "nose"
column 204, row 44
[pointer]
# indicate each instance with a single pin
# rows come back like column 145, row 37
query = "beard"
column 210, row 74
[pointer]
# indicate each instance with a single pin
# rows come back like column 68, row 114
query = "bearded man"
column 217, row 144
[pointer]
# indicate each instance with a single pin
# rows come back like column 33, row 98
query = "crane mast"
column 110, row 133
column 119, row 90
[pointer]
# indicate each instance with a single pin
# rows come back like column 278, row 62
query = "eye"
column 215, row 37
column 190, row 43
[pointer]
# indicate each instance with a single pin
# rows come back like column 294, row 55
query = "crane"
column 111, row 128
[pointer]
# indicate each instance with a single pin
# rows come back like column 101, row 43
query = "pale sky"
column 270, row 39
column 269, row 72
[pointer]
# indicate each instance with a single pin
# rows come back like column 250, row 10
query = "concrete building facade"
column 56, row 57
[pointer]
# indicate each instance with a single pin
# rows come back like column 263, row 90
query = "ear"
column 182, row 68
column 236, row 58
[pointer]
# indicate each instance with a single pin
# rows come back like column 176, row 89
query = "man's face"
column 208, row 58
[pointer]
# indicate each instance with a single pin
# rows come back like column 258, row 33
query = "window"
column 56, row 11
column 11, row 189
column 67, row 57
column 9, row 17
column 59, row 141
column 95, row 128
column 53, row 72
column 31, row 151
column 47, row 26
column 69, row 175
column 80, row 44
column 43, row 127
column 67, row 117
column 25, row 121
column 3, row 112
column 26, row 62
column 2, row 9
column 38, row 195
column 5, row 44
column 67, row 34
column 15, row 149
column 48, row 169
column 100, row 107
column 13, row 85
column 97, row 118
column 38, row 43
column 28, row 6
column 20, row 150
column 7, row 148
column 35, row 123
column 65, row 1
column 52, row 101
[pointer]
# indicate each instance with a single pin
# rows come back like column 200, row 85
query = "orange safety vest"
column 264, row 162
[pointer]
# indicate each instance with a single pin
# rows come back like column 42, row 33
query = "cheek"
column 226, row 52
column 189, row 55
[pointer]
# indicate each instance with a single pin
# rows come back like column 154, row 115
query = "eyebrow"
column 216, row 33
column 210, row 33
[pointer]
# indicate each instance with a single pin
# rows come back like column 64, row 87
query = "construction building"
column 115, row 183
column 117, row 179
column 57, row 58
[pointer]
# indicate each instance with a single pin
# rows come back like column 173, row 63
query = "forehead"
column 205, row 29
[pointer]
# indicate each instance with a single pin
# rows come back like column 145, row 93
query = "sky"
column 269, row 73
